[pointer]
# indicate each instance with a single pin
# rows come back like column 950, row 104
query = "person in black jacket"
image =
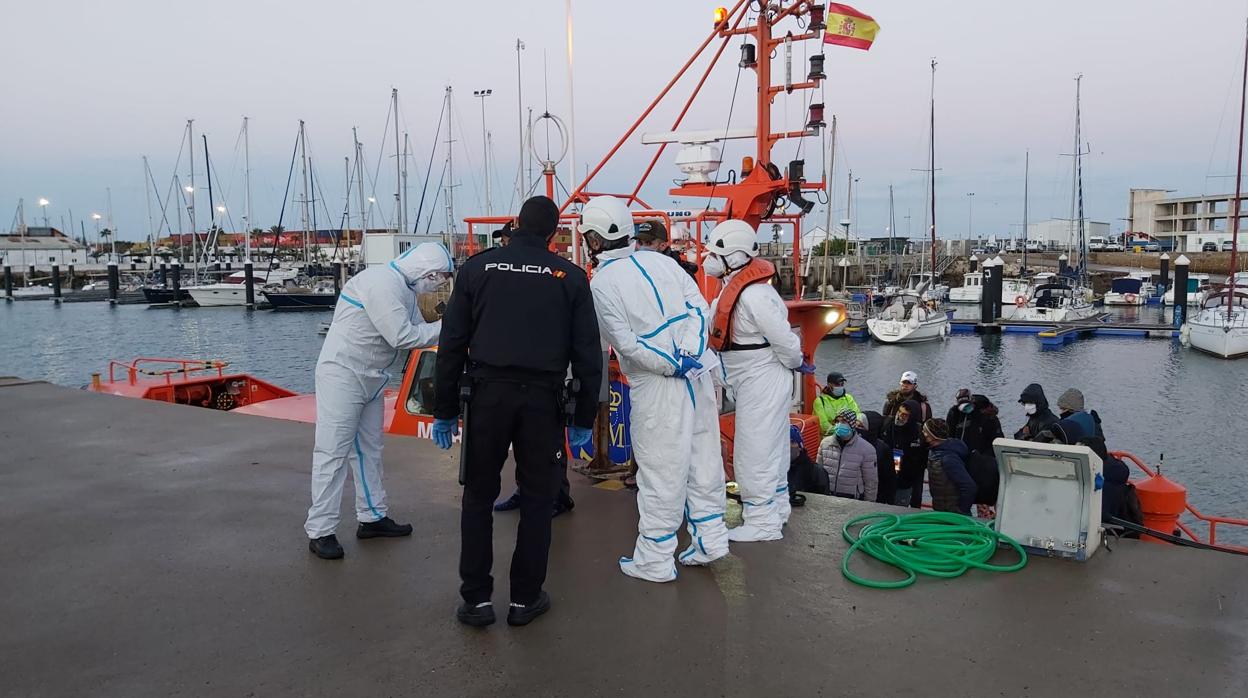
column 1036, row 407
column 518, row 317
column 980, row 427
column 870, row 430
column 903, row 433
column 961, row 408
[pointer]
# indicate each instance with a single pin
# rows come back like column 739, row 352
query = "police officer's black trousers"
column 527, row 417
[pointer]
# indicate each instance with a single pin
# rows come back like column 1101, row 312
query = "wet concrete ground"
column 158, row 550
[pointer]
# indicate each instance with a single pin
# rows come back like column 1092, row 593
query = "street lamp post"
column 485, row 152
column 970, row 215
column 96, row 217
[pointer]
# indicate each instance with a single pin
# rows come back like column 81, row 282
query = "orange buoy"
column 1162, row 501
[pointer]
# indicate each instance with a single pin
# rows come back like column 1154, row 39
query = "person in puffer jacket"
column 850, row 462
column 951, row 485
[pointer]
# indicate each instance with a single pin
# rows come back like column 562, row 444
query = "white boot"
column 750, row 533
column 694, row 557
column 629, row 567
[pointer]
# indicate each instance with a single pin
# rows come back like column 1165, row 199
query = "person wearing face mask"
column 962, row 407
column 652, row 315
column 518, row 318
column 759, row 352
column 902, row 433
column 1036, row 407
column 376, row 321
column 831, row 401
column 850, row 461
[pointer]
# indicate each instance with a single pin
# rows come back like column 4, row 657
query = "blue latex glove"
column 444, row 430
column 687, row 364
column 806, row 368
column 582, row 442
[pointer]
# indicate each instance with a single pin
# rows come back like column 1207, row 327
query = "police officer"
column 518, row 316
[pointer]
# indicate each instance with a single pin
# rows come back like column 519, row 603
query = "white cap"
column 910, row 377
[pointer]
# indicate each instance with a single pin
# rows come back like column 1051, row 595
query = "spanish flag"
column 849, row 27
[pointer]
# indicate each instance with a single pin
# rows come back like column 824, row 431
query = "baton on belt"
column 465, row 397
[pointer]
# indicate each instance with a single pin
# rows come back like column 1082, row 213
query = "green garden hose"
column 935, row 543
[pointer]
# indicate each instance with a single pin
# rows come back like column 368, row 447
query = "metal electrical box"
column 1050, row 497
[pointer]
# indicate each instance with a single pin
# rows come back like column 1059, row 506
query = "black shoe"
column 562, row 507
column 797, row 500
column 523, row 615
column 326, row 547
column 385, row 527
column 477, row 616
column 509, row 504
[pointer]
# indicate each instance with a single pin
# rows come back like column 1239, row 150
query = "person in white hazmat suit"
column 759, row 354
column 651, row 313
column 375, row 322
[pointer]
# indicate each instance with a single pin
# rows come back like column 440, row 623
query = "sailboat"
column 1220, row 327
column 914, row 314
column 1063, row 299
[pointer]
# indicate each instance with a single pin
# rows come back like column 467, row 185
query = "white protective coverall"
column 648, row 310
column 375, row 323
column 762, row 386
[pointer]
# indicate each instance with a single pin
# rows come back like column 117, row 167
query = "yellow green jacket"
column 827, row 407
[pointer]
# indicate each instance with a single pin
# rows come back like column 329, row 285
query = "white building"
column 1182, row 223
column 41, row 248
column 1063, row 233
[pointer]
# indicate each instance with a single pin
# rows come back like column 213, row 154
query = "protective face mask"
column 1029, row 408
column 714, row 266
column 967, row 408
column 838, row 392
column 843, row 431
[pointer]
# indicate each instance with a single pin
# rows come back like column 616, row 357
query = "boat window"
column 420, row 399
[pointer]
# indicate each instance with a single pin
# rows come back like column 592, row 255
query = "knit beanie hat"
column 1070, row 401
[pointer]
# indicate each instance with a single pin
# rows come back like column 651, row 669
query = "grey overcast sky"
column 89, row 87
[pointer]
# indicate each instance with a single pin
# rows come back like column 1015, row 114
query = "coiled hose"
column 935, row 543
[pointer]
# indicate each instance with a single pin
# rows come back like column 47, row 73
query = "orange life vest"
column 757, row 271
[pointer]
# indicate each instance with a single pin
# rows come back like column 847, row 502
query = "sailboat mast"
column 246, row 193
column 521, row 185
column 190, row 207
column 829, row 170
column 932, row 165
column 1083, row 256
column 1026, row 198
column 398, row 166
column 151, row 222
column 1239, row 173
column 450, row 170
column 212, row 208
column 406, row 198
column 359, row 169
column 303, row 155
column 892, row 228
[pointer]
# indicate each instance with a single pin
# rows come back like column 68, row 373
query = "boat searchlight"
column 797, row 175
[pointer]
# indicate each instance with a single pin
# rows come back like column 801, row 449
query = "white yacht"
column 1197, row 286
column 232, row 291
column 909, row 318
column 1056, row 302
column 1220, row 327
column 971, row 290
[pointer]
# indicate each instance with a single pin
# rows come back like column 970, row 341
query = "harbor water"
column 1154, row 396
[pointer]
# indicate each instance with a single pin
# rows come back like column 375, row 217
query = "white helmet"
column 733, row 236
column 608, row 216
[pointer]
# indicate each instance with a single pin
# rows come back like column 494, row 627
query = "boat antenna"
column 1239, row 173
column 1026, row 197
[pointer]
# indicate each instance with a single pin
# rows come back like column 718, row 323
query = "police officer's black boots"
column 385, row 527
column 326, row 547
column 476, row 615
column 525, row 614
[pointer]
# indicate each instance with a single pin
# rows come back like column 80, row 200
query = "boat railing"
column 167, row 368
column 1211, row 521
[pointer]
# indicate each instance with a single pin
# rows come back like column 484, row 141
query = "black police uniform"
column 519, row 315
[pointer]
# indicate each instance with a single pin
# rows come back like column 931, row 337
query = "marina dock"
column 159, row 550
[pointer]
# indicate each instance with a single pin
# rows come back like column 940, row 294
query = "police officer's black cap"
column 503, row 232
column 650, row 231
column 540, row 216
